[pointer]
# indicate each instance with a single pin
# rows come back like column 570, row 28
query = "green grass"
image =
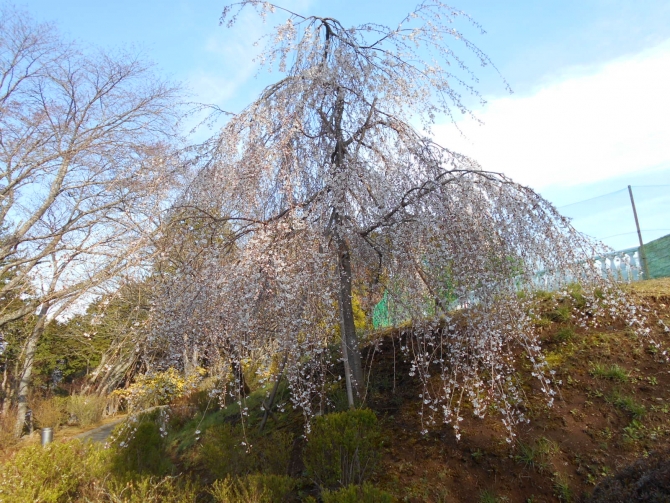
column 185, row 437
column 626, row 403
column 535, row 455
column 487, row 496
column 561, row 314
column 577, row 295
column 565, row 334
column 562, row 488
column 613, row 372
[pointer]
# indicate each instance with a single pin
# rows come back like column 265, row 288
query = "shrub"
column 259, row 488
column 536, row 455
column 577, row 293
column 48, row 412
column 488, row 496
column 56, row 473
column 561, row 314
column 223, row 452
column 648, row 480
column 7, row 437
column 158, row 388
column 366, row 493
column 139, row 447
column 343, row 448
column 273, row 452
column 76, row 471
column 562, row 488
column 86, row 409
column 152, row 490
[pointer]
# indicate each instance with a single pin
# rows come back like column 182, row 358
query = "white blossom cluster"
column 325, row 160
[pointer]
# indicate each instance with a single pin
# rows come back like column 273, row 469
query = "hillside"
column 613, row 409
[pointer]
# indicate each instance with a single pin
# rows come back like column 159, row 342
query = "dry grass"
column 7, row 439
column 651, row 288
column 48, row 412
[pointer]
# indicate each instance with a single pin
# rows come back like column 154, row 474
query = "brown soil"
column 596, row 427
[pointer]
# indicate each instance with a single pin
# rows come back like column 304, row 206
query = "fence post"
column 643, row 255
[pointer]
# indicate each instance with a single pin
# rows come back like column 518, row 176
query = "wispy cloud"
column 224, row 76
column 587, row 125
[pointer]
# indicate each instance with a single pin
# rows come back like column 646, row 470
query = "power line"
column 633, row 232
column 612, row 193
column 592, row 198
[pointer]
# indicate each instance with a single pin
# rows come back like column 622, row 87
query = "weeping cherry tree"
column 327, row 189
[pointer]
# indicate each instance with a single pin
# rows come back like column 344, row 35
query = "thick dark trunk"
column 239, row 384
column 27, row 370
column 271, row 400
column 351, row 354
column 353, row 367
column 239, row 381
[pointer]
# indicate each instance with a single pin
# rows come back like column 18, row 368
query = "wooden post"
column 643, row 255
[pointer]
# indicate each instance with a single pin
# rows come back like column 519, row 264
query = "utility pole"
column 643, row 255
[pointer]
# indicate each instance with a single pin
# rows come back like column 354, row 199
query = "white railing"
column 622, row 265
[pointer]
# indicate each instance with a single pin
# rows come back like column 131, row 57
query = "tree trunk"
column 353, row 368
column 188, row 368
column 273, row 395
column 27, row 370
column 190, row 362
column 351, row 355
column 6, row 395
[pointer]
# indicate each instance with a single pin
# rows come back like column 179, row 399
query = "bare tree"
column 85, row 161
column 325, row 184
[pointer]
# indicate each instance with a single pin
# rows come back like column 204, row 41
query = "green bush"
column 140, row 448
column 57, row 473
column 343, row 448
column 82, row 472
column 86, row 409
column 577, row 293
column 225, row 452
column 152, row 490
column 537, row 454
column 366, row 493
column 258, row 488
column 221, row 452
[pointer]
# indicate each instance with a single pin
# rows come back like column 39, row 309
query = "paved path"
column 101, row 433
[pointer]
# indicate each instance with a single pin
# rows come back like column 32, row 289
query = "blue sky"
column 590, row 113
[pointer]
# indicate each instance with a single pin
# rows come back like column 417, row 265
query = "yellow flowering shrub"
column 158, row 388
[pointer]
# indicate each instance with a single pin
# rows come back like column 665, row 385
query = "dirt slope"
column 614, row 407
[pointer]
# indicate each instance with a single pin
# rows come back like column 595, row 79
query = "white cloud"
column 586, row 127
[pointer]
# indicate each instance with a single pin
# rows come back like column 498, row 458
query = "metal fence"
column 610, row 218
